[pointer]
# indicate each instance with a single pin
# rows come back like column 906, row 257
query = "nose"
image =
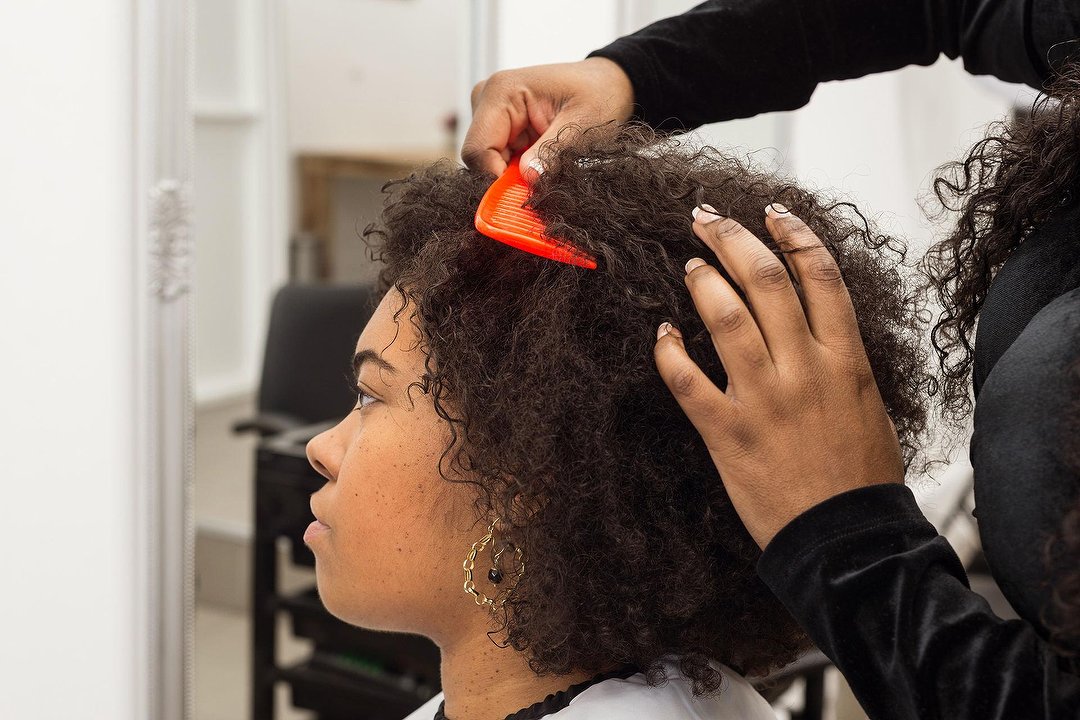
column 324, row 452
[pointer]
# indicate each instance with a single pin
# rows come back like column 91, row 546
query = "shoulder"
column 632, row 697
column 427, row 710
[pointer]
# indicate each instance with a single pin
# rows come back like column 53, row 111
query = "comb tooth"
column 515, row 219
column 515, row 213
column 528, row 229
column 523, row 229
column 513, row 208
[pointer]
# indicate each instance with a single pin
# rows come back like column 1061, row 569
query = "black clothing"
column 727, row 59
column 1021, row 450
column 884, row 596
column 1017, row 447
column 1044, row 267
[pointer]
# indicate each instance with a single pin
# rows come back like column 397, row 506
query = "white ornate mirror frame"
column 165, row 315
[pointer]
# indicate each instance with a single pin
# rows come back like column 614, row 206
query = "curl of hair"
column 545, row 372
column 1010, row 182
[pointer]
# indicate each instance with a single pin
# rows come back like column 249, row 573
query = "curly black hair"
column 545, row 372
column 1008, row 184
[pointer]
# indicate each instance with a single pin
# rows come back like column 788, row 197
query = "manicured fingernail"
column 775, row 210
column 536, row 166
column 705, row 214
column 666, row 328
column 693, row 264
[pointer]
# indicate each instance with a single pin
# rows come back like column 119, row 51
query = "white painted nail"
column 693, row 264
column 536, row 166
column 705, row 214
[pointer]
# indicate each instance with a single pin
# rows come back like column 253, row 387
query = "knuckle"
column 821, row 268
column 743, row 438
column 754, row 359
column 730, row 320
column 477, row 91
column 726, row 226
column 768, row 273
column 684, row 380
column 863, row 376
column 791, row 228
column 501, row 79
column 470, row 151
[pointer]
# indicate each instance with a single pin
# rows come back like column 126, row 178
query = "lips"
column 315, row 529
column 318, row 516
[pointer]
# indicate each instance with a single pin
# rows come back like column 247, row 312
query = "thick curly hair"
column 1009, row 183
column 545, row 372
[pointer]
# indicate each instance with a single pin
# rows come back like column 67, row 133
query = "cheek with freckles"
column 400, row 530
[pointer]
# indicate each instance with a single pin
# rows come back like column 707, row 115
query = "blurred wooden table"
column 319, row 171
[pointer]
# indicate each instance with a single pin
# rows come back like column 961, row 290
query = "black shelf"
column 340, row 694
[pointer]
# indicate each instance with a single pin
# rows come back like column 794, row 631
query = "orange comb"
column 502, row 216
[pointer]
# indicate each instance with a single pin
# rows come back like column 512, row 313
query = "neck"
column 482, row 681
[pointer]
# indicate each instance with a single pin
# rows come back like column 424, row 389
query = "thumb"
column 531, row 165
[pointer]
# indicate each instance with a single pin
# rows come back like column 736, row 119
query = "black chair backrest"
column 309, row 345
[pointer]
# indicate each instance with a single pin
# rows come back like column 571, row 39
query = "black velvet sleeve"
column 728, row 59
column 886, row 598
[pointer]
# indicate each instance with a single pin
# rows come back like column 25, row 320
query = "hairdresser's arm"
column 813, row 467
column 728, row 59
column 885, row 597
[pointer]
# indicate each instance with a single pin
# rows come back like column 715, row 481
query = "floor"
column 223, row 666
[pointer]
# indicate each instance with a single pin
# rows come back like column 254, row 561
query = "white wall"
column 879, row 139
column 241, row 213
column 67, row 422
column 370, row 74
column 875, row 140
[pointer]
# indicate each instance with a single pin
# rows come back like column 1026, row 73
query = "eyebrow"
column 368, row 355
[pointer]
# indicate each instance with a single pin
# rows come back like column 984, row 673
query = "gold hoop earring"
column 495, row 575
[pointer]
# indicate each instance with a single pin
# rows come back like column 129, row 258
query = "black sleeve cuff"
column 839, row 520
column 644, row 76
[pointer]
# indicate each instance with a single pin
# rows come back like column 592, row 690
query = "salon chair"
column 312, row 334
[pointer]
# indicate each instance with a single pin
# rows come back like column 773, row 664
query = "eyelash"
column 360, row 394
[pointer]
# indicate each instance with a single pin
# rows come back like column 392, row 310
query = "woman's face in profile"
column 398, row 531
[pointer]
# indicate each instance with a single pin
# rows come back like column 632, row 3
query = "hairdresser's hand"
column 801, row 419
column 514, row 109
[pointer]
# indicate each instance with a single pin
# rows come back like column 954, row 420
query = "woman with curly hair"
column 510, row 420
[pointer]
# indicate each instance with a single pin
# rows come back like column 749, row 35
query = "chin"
column 364, row 610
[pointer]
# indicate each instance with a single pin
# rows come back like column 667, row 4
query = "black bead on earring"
column 495, row 575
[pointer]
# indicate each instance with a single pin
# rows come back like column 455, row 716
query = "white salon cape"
column 632, row 698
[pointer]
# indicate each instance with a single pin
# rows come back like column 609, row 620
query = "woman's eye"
column 363, row 399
